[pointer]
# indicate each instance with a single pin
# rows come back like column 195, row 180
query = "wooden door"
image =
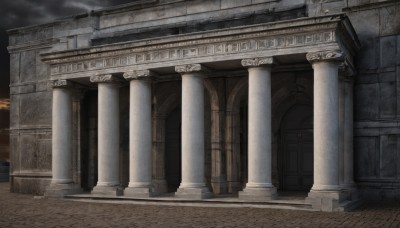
column 173, row 159
column 298, row 160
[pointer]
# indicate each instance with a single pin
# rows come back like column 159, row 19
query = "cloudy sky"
column 19, row 13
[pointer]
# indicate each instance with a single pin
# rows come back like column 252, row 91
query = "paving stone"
column 18, row 210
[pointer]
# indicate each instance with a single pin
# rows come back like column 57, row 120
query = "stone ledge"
column 141, row 192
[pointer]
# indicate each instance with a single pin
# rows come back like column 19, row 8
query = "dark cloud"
column 16, row 13
column 20, row 13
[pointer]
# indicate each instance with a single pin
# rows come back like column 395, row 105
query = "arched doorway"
column 296, row 160
column 173, row 158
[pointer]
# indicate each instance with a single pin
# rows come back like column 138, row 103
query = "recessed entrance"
column 296, row 156
column 173, row 165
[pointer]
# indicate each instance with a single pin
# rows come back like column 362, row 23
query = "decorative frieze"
column 190, row 49
column 104, row 78
column 139, row 74
column 334, row 55
column 61, row 83
column 258, row 62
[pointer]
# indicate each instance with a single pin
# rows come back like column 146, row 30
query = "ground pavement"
column 18, row 210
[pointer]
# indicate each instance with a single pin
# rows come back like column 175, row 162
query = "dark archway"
column 173, row 157
column 243, row 113
column 296, row 156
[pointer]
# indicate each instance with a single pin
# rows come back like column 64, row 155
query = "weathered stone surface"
column 38, row 114
column 28, row 66
column 366, row 162
column 366, row 108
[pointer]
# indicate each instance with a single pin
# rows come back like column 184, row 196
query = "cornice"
column 302, row 25
column 289, row 37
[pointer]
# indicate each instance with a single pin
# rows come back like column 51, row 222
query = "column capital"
column 104, row 78
column 326, row 56
column 190, row 68
column 255, row 62
column 139, row 74
column 60, row 83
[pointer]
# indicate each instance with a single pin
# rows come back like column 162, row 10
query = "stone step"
column 213, row 202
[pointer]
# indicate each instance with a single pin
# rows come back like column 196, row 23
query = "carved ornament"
column 189, row 68
column 104, row 78
column 138, row 74
column 334, row 55
column 257, row 62
column 61, row 83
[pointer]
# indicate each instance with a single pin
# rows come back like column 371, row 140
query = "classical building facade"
column 203, row 98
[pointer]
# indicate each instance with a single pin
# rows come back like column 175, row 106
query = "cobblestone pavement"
column 18, row 210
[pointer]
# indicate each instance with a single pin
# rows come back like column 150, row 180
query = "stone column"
column 325, row 193
column 348, row 134
column 341, row 128
column 62, row 179
column 192, row 185
column 140, row 141
column 108, row 135
column 259, row 185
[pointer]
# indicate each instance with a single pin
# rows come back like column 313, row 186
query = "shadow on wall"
column 4, row 134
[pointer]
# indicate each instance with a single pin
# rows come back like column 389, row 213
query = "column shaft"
column 140, row 141
column 259, row 128
column 348, row 135
column 62, row 136
column 326, row 126
column 259, row 186
column 192, row 184
column 108, row 130
column 341, row 130
column 192, row 131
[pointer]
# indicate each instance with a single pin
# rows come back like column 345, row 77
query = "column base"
column 193, row 193
column 140, row 192
column 61, row 190
column 258, row 194
column 329, row 200
column 107, row 190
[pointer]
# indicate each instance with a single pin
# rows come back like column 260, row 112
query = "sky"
column 20, row 13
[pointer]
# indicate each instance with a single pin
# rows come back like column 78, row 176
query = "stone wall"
column 377, row 99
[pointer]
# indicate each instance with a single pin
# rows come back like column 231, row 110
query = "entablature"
column 299, row 36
